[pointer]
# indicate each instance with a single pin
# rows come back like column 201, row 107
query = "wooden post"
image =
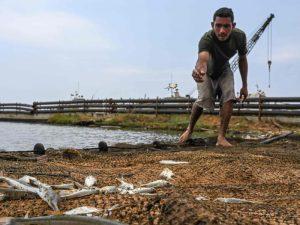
column 156, row 107
column 260, row 101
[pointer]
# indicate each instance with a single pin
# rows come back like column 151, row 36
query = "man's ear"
column 233, row 25
column 212, row 25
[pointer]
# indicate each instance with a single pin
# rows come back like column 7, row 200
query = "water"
column 23, row 136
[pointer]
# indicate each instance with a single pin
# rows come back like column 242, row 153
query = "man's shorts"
column 208, row 88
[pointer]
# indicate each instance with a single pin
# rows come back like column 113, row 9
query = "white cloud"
column 51, row 29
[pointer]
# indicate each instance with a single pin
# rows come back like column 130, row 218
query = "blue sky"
column 131, row 48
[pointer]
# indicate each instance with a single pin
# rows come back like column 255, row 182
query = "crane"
column 235, row 62
column 250, row 44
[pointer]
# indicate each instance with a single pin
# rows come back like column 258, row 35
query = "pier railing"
column 16, row 108
column 261, row 106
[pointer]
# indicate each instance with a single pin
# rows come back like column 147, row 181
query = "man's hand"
column 198, row 76
column 243, row 94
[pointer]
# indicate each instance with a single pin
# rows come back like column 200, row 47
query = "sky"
column 134, row 48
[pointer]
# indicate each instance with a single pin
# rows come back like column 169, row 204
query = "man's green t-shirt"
column 222, row 51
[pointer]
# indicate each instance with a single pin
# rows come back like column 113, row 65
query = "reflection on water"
column 23, row 136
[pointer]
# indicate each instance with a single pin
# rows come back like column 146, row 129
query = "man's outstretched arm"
column 201, row 66
column 243, row 67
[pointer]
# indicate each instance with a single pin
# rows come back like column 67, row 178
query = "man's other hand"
column 198, row 76
column 243, row 94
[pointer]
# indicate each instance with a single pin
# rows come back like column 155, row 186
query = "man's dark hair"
column 224, row 12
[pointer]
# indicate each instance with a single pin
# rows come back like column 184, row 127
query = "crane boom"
column 235, row 62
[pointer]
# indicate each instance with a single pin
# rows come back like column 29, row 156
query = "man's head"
column 223, row 23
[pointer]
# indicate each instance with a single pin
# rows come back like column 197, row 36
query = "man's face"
column 222, row 27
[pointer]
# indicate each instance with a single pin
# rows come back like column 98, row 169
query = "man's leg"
column 195, row 114
column 226, row 84
column 225, row 115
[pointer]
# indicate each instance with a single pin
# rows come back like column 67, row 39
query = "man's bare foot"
column 223, row 142
column 185, row 136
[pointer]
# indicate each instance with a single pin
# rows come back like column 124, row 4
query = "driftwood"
column 276, row 138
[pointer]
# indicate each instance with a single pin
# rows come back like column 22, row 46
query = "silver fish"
column 233, row 200
column 46, row 193
column 142, row 190
column 14, row 194
column 172, row 162
column 77, row 193
column 124, row 185
column 82, row 210
column 108, row 189
column 69, row 186
column 201, row 198
column 28, row 179
column 166, row 174
column 43, row 190
column 157, row 183
column 18, row 185
column 2, row 197
column 90, row 181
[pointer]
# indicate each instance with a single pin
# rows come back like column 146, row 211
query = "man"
column 212, row 72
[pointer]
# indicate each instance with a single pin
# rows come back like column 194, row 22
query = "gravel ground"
column 268, row 176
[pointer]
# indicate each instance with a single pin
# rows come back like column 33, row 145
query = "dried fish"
column 90, row 181
column 28, row 179
column 69, row 186
column 157, row 183
column 43, row 190
column 167, row 174
column 201, row 198
column 18, row 185
column 82, row 211
column 78, row 185
column 14, row 194
column 124, row 185
column 77, row 193
column 46, row 193
column 142, row 190
column 233, row 200
column 172, row 162
column 108, row 189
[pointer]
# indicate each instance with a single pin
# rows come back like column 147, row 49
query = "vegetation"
column 68, row 119
column 207, row 123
